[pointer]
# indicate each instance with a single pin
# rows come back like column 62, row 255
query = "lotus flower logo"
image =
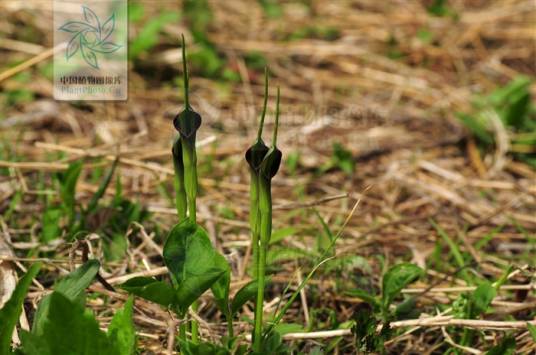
column 90, row 37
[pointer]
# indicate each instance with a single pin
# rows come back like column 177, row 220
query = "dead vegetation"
column 386, row 88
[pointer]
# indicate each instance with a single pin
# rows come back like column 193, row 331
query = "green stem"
column 190, row 182
column 190, row 176
column 257, row 332
column 265, row 211
column 182, row 330
column 180, row 193
column 254, row 220
column 180, row 199
column 192, row 209
column 195, row 325
column 230, row 330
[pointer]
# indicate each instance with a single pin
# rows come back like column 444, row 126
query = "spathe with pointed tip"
column 264, row 165
column 188, row 121
column 255, row 154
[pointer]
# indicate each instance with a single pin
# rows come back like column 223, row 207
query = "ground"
column 374, row 152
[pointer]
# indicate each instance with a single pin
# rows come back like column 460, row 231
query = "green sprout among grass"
column 195, row 266
column 264, row 163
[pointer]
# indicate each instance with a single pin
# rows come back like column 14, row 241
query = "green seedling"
column 194, row 265
column 206, row 58
column 341, row 159
column 477, row 303
column 10, row 313
column 264, row 163
column 63, row 312
column 378, row 307
column 513, row 105
column 150, row 33
column 110, row 221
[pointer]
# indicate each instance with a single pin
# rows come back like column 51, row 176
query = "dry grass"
column 414, row 161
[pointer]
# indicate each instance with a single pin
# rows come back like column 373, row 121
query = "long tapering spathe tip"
column 274, row 140
column 263, row 114
column 185, row 73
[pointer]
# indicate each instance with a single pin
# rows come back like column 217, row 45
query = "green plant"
column 62, row 312
column 341, row 159
column 440, row 8
column 512, row 104
column 110, row 221
column 206, row 58
column 11, row 311
column 264, row 163
column 194, row 265
column 271, row 8
column 149, row 35
column 378, row 308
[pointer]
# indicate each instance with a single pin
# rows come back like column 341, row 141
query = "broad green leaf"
column 272, row 343
column 32, row 344
column 71, row 286
column 482, row 297
column 190, row 348
column 192, row 261
column 74, row 284
column 220, row 289
column 10, row 313
column 121, row 331
column 364, row 295
column 506, row 347
column 152, row 290
column 396, row 278
column 246, row 293
column 68, row 330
